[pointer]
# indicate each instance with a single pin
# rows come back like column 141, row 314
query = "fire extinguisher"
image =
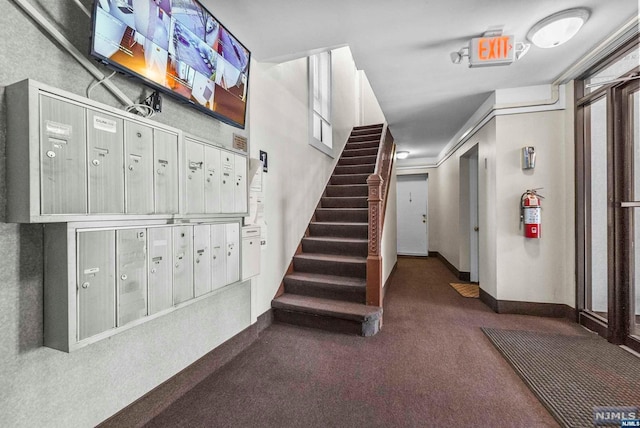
column 530, row 208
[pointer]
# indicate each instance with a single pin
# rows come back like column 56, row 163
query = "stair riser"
column 323, row 291
column 359, row 152
column 365, row 145
column 358, row 249
column 354, row 169
column 343, row 215
column 367, row 328
column 344, row 202
column 358, row 160
column 346, row 191
column 339, row 230
column 349, row 179
column 354, row 269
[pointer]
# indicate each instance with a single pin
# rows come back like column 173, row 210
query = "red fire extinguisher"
column 530, row 207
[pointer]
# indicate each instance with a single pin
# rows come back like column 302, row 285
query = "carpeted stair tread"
column 349, row 178
column 348, row 215
column 326, row 307
column 344, row 202
column 335, row 239
column 366, row 168
column 334, row 258
column 347, row 190
column 345, row 281
column 358, row 160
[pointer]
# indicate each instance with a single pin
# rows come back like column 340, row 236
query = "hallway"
column 431, row 365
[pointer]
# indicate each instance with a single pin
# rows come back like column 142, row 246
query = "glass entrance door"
column 630, row 131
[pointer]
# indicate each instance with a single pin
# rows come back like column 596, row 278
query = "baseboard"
column 549, row 310
column 144, row 409
column 462, row 276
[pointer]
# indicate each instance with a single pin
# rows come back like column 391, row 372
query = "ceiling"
column 403, row 46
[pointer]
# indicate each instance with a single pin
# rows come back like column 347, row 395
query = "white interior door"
column 412, row 215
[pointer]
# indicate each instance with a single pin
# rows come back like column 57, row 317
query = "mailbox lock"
column 197, row 260
column 190, row 176
column 209, row 180
column 153, row 270
column 95, row 162
column 139, row 134
column 85, row 285
column 160, row 172
column 130, row 167
column 123, row 276
column 51, row 154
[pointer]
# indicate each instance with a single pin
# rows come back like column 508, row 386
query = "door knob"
column 475, row 229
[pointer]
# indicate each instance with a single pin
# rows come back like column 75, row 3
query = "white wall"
column 389, row 244
column 536, row 270
column 548, row 264
column 298, row 173
column 369, row 110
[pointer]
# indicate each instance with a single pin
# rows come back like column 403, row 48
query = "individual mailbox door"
column 182, row 264
column 194, row 156
column 131, row 274
column 212, row 179
column 96, row 282
column 165, row 162
column 105, row 142
column 160, row 269
column 63, row 174
column 138, row 158
column 202, row 259
column 218, row 256
column 233, row 252
column 227, row 185
column 240, row 196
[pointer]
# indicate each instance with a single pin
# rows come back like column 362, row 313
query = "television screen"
column 178, row 47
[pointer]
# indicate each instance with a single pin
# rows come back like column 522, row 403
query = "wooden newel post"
column 374, row 259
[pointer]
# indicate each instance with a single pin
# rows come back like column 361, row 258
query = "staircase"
column 326, row 285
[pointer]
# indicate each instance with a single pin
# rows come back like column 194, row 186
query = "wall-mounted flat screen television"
column 178, row 47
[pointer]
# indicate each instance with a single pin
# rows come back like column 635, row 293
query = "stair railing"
column 378, row 183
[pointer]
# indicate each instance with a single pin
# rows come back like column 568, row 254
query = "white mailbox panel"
column 138, row 159
column 240, row 196
column 63, row 174
column 202, row 259
column 212, row 179
column 165, row 163
column 131, row 274
column 96, row 282
column 194, row 169
column 227, row 185
column 250, row 251
column 218, row 256
column 182, row 264
column 105, row 144
column 160, row 269
column 232, row 238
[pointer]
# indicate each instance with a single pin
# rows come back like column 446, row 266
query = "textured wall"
column 43, row 387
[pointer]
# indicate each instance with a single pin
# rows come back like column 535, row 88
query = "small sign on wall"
column 263, row 158
column 239, row 142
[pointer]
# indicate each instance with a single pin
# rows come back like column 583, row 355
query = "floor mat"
column 467, row 290
column 571, row 375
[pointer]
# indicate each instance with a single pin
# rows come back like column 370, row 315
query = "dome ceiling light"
column 558, row 28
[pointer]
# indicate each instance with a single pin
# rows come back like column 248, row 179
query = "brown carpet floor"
column 430, row 366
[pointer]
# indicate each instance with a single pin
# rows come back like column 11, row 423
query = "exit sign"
column 488, row 51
